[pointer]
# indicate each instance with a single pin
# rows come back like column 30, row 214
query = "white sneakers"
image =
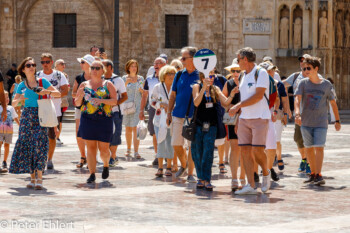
column 266, row 182
column 247, row 190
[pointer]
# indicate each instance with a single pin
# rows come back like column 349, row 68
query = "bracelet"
column 338, row 121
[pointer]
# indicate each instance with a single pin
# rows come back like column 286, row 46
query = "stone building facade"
column 282, row 29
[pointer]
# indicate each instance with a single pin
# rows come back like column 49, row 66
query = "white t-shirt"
column 120, row 86
column 277, row 77
column 57, row 80
column 248, row 88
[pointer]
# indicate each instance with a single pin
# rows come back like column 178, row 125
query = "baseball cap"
column 267, row 58
column 87, row 58
column 163, row 55
column 267, row 65
column 304, row 56
column 234, row 65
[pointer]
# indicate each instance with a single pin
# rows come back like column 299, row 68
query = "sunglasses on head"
column 30, row 65
column 237, row 71
column 96, row 68
column 307, row 68
column 45, row 62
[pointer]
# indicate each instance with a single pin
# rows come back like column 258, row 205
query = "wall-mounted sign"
column 257, row 26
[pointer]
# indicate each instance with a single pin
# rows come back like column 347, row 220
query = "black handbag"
column 189, row 128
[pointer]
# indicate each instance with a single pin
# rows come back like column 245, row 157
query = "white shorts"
column 271, row 143
column 77, row 114
column 176, row 132
column 279, row 127
column 220, row 142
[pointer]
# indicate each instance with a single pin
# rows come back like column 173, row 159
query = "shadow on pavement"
column 30, row 192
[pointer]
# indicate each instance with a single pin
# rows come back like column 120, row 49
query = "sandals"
column 38, row 186
column 128, row 153
column 235, row 185
column 280, row 167
column 208, row 186
column 223, row 170
column 200, row 185
column 168, row 172
column 137, row 155
column 31, row 185
column 159, row 172
column 174, row 169
column 81, row 164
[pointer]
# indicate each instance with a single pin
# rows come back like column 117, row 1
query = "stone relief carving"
column 284, row 29
column 323, row 30
column 297, row 33
column 339, row 31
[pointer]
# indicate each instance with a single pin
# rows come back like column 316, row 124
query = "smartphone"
column 102, row 50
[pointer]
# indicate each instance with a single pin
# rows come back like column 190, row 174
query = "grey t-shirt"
column 314, row 102
column 300, row 77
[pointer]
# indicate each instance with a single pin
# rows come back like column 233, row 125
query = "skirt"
column 164, row 149
column 95, row 127
column 30, row 152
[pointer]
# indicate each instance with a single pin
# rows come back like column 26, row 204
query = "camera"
column 36, row 89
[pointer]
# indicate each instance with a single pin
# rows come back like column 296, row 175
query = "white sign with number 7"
column 205, row 61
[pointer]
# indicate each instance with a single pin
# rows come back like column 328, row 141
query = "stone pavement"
column 133, row 200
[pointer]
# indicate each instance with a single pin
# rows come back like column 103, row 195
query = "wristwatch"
column 338, row 121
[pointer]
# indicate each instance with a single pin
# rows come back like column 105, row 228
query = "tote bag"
column 47, row 111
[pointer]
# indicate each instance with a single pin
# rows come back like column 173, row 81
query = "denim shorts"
column 314, row 136
column 117, row 125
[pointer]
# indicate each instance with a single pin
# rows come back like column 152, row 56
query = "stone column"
column 314, row 25
column 306, row 28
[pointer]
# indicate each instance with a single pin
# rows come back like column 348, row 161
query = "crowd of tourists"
column 242, row 114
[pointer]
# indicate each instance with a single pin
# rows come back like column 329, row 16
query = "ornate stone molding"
column 308, row 5
column 323, row 4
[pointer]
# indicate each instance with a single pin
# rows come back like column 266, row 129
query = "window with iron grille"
column 65, row 31
column 176, row 31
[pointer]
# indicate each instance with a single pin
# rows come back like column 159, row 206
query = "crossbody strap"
column 166, row 93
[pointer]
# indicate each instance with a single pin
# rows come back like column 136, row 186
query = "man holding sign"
column 180, row 97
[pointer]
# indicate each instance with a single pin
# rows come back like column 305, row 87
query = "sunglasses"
column 82, row 62
column 171, row 74
column 45, row 62
column 95, row 68
column 237, row 71
column 30, row 65
column 184, row 58
column 63, row 64
column 307, row 68
column 211, row 76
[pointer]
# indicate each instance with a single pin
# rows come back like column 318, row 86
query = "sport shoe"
column 191, row 179
column 49, row 164
column 4, row 167
column 302, row 166
column 311, row 179
column 247, row 190
column 256, row 177
column 113, row 162
column 308, row 169
column 155, row 162
column 180, row 172
column 319, row 180
column 274, row 175
column 58, row 141
column 266, row 182
column 105, row 173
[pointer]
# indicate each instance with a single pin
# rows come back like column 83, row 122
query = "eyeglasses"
column 30, row 65
column 171, row 74
column 237, row 71
column 63, row 64
column 45, row 62
column 184, row 58
column 307, row 68
column 211, row 76
column 157, row 63
column 95, row 68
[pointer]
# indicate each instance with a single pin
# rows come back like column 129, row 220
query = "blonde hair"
column 164, row 71
column 177, row 64
column 59, row 61
column 18, row 78
column 101, row 64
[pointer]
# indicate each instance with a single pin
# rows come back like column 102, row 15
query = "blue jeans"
column 314, row 136
column 117, row 125
column 202, row 149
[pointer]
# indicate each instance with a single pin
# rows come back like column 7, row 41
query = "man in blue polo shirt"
column 180, row 97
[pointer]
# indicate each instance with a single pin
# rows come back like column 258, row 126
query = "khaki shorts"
column 176, row 132
column 252, row 132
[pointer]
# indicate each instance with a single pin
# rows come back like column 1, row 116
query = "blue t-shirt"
column 32, row 100
column 281, row 92
column 183, row 88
